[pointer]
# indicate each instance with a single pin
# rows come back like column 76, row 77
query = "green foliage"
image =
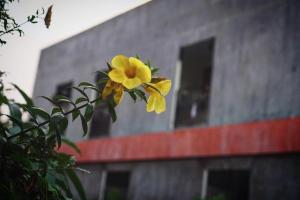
column 30, row 165
column 8, row 24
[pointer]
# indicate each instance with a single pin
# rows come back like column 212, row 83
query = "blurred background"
column 70, row 18
column 231, row 129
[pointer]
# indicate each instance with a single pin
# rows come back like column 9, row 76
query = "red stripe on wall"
column 264, row 137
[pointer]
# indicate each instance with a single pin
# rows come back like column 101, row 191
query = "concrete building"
column 232, row 123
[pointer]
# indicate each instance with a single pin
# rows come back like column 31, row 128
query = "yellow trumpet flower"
column 130, row 72
column 112, row 87
column 156, row 101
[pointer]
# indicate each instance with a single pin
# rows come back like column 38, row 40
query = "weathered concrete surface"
column 271, row 177
column 256, row 75
column 256, row 68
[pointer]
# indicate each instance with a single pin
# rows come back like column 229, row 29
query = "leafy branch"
column 28, row 147
column 8, row 25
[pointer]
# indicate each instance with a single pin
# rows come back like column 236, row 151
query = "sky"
column 20, row 56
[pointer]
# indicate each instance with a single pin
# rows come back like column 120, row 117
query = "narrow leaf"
column 88, row 112
column 84, row 124
column 50, row 100
column 70, row 144
column 141, row 95
column 109, row 66
column 80, row 99
column 112, row 111
column 40, row 112
column 82, row 92
column 24, row 95
column 77, row 183
column 15, row 111
column 132, row 95
column 85, row 84
column 56, row 110
column 75, row 114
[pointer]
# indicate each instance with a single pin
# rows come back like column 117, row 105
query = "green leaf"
column 88, row 112
column 61, row 98
column 102, row 81
column 20, row 32
column 77, row 183
column 154, row 70
column 15, row 121
column 15, row 111
column 82, row 92
column 85, row 84
column 70, row 144
column 3, row 99
column 40, row 112
column 141, row 94
column 75, row 114
column 111, row 110
column 56, row 110
column 5, row 24
column 52, row 125
column 92, row 87
column 109, row 66
column 59, row 122
column 28, row 109
column 98, row 101
column 132, row 95
column 50, row 100
column 83, row 124
column 14, row 130
column 24, row 95
column 80, row 100
column 103, row 73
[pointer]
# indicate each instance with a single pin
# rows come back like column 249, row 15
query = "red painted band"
column 255, row 138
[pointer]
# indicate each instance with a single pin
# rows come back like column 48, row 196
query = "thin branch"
column 14, row 28
column 47, row 121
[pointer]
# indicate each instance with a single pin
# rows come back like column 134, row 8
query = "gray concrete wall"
column 256, row 75
column 256, row 67
column 271, row 177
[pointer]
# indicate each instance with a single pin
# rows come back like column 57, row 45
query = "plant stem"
column 47, row 121
column 12, row 29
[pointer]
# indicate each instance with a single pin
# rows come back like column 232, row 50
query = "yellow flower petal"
column 160, row 104
column 151, row 103
column 164, row 86
column 142, row 71
column 120, row 62
column 117, row 75
column 107, row 89
column 118, row 96
column 131, row 83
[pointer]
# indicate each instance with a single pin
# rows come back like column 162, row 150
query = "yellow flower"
column 156, row 101
column 130, row 72
column 111, row 87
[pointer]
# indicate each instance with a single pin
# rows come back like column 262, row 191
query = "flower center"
column 130, row 72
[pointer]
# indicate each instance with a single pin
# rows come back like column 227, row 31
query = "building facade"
column 232, row 123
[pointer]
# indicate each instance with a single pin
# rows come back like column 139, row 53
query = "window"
column 228, row 184
column 117, row 184
column 64, row 89
column 195, row 84
column 100, row 123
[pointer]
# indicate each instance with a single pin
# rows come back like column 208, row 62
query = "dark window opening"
column 117, row 184
column 228, row 184
column 101, row 121
column 193, row 95
column 64, row 89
